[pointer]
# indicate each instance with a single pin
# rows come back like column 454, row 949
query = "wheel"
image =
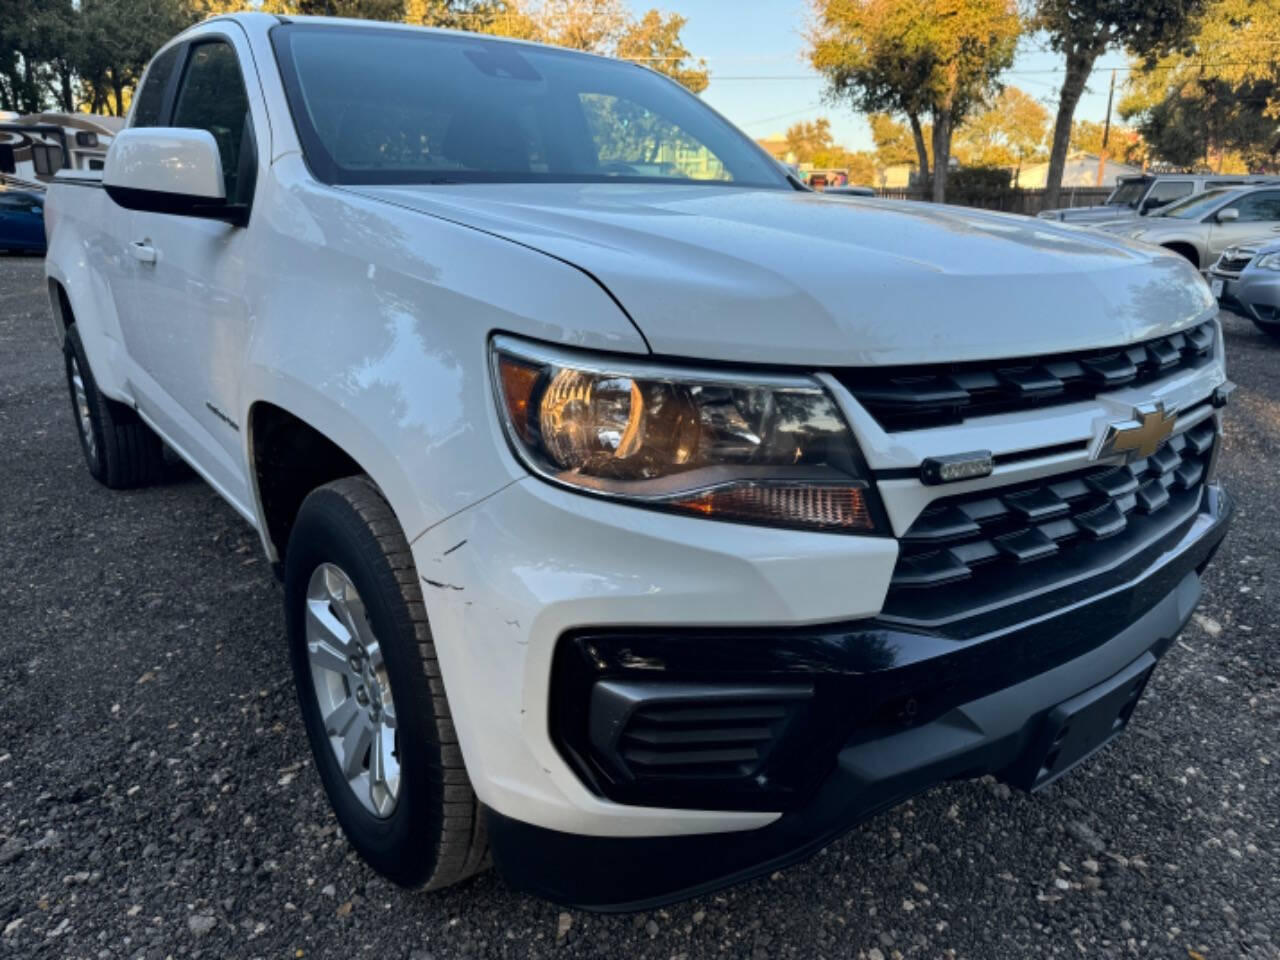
column 120, row 450
column 371, row 694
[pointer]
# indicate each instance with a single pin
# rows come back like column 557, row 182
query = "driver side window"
column 212, row 97
column 1257, row 207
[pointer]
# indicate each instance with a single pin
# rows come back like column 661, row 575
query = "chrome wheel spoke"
column 355, row 746
column 350, row 682
column 339, row 720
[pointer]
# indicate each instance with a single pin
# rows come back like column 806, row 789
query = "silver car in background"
column 1246, row 279
column 1201, row 227
column 1136, row 197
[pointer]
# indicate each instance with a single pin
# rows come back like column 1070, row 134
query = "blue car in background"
column 21, row 221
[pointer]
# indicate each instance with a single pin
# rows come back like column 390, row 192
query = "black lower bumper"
column 1010, row 732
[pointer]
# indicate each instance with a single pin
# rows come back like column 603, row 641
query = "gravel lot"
column 157, row 799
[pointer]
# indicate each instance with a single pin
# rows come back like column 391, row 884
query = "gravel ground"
column 157, row 799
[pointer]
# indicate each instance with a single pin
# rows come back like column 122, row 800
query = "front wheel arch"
column 1186, row 251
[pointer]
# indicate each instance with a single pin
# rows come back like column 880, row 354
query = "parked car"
column 1140, row 196
column 1202, row 227
column 622, row 538
column 1247, row 278
column 850, row 191
column 21, row 220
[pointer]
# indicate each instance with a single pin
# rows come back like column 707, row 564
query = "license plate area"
column 1078, row 728
column 1215, row 286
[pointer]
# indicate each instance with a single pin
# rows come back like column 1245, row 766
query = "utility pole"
column 1106, row 130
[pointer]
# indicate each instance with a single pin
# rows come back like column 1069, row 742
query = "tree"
column 1007, row 133
column 655, row 42
column 593, row 25
column 1214, row 103
column 935, row 58
column 805, row 139
column 1082, row 29
column 896, row 143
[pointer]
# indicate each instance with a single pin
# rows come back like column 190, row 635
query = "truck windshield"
column 1128, row 193
column 377, row 105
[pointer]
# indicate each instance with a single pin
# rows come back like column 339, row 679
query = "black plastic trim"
column 870, row 678
column 1000, row 733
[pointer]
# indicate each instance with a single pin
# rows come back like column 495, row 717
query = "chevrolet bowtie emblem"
column 1151, row 425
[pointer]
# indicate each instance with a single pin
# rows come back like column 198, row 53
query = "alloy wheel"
column 349, row 678
column 83, row 420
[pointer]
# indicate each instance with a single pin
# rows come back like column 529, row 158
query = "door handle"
column 143, row 251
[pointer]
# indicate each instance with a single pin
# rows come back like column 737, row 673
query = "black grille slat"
column 1102, row 522
column 1026, row 545
column 915, row 398
column 734, row 756
column 693, row 735
column 700, row 714
column 1039, row 503
column 958, row 539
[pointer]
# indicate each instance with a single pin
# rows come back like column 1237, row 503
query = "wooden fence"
column 1013, row 200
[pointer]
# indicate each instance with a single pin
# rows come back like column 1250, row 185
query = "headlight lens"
column 1270, row 261
column 754, row 449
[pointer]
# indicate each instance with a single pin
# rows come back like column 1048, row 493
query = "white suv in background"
column 623, row 538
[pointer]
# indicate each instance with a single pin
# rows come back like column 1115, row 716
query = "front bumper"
column 980, row 706
column 1254, row 293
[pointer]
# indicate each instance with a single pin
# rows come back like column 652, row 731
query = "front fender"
column 373, row 325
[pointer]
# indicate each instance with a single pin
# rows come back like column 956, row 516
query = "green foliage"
column 1007, row 133
column 1083, row 29
column 1214, row 101
column 89, row 54
column 655, row 41
column 934, row 58
column 893, row 140
column 979, row 186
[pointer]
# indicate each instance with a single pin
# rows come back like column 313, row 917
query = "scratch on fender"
column 442, row 586
column 222, row 416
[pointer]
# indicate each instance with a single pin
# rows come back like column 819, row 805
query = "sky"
column 760, row 80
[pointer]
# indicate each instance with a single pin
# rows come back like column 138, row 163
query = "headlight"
column 728, row 445
column 1270, row 261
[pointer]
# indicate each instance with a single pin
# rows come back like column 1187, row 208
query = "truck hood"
column 1098, row 213
column 785, row 277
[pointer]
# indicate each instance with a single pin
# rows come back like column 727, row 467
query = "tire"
column 433, row 833
column 119, row 449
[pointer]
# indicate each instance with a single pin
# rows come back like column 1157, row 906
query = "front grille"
column 986, row 547
column 910, row 398
column 1233, row 264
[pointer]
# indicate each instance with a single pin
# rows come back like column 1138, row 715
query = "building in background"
column 35, row 146
column 1081, row 170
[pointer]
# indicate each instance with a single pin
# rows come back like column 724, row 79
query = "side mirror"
column 1149, row 204
column 171, row 170
column 1229, row 215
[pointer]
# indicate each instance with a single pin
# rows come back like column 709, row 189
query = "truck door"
column 1259, row 218
column 191, row 322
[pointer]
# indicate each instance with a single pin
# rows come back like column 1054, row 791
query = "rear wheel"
column 119, row 449
column 370, row 691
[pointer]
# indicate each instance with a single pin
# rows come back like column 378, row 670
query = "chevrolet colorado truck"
column 620, row 545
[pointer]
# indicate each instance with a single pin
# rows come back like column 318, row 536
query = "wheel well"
column 1185, row 250
column 290, row 459
column 61, row 305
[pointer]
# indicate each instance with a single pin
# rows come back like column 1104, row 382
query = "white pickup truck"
column 645, row 520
